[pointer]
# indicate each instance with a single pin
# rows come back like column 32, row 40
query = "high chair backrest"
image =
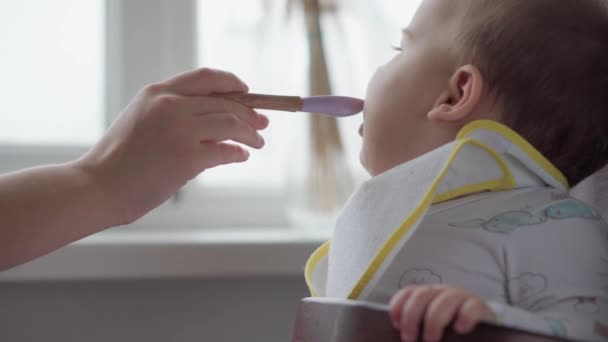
column 594, row 191
column 325, row 320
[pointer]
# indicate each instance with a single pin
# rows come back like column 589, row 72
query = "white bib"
column 384, row 212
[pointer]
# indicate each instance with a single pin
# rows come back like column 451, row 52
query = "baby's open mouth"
column 361, row 131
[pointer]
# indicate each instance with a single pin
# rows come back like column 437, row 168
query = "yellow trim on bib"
column 311, row 264
column 505, row 183
column 517, row 140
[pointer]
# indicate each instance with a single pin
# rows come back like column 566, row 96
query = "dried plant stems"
column 326, row 145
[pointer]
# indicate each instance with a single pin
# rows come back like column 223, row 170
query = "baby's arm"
column 557, row 279
column 169, row 133
column 589, row 324
column 435, row 307
column 557, row 284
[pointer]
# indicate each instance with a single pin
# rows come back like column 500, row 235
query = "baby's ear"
column 462, row 96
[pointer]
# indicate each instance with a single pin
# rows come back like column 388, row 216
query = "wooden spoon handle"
column 270, row 102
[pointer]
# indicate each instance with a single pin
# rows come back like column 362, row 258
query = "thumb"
column 205, row 81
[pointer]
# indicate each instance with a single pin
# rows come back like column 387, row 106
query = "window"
column 52, row 89
column 52, row 70
column 69, row 67
column 265, row 43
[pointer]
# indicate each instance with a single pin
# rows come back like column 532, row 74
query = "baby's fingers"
column 471, row 313
column 414, row 310
column 441, row 312
column 396, row 305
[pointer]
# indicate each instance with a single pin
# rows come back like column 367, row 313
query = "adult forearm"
column 44, row 208
column 171, row 132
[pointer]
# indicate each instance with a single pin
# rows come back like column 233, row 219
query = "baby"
column 473, row 133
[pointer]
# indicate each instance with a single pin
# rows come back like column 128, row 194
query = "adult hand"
column 171, row 132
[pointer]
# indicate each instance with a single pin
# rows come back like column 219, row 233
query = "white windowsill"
column 137, row 254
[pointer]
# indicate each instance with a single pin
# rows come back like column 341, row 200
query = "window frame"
column 128, row 68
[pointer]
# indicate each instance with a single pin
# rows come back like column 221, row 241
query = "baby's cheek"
column 379, row 82
column 370, row 96
column 377, row 103
column 387, row 92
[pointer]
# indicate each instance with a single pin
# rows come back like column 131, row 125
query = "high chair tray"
column 331, row 320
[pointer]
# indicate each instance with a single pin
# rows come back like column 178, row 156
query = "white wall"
column 239, row 309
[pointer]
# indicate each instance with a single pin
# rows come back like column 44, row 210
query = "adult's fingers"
column 216, row 154
column 204, row 105
column 206, row 81
column 226, row 126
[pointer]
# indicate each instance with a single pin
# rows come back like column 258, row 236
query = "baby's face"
column 400, row 95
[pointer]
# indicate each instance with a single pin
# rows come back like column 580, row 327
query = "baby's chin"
column 363, row 161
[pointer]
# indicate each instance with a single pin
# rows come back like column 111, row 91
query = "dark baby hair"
column 547, row 63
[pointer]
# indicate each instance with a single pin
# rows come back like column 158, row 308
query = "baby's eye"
column 397, row 48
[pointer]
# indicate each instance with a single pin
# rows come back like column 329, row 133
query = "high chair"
column 327, row 320
column 330, row 320
column 594, row 191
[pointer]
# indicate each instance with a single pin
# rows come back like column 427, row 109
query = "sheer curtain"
column 265, row 43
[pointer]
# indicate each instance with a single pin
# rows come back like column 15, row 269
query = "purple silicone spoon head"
column 338, row 106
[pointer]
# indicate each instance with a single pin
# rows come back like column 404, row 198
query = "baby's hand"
column 435, row 308
column 167, row 135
